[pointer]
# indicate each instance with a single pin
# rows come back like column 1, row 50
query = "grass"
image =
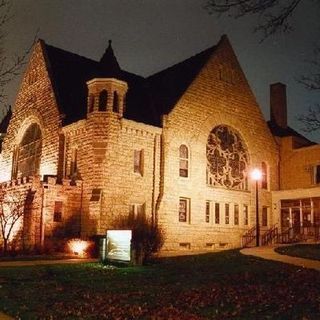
column 308, row 251
column 224, row 285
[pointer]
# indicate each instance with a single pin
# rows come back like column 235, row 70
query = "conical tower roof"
column 109, row 63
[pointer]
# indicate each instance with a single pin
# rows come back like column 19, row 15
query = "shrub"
column 147, row 238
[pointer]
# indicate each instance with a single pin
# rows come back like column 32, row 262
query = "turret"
column 107, row 93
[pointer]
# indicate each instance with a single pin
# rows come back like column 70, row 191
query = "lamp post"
column 256, row 175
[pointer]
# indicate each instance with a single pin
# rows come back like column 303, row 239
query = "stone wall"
column 297, row 164
column 35, row 103
column 212, row 100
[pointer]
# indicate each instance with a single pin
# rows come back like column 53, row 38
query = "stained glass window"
column 28, row 154
column 227, row 159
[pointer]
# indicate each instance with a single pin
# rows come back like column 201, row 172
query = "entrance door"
column 296, row 222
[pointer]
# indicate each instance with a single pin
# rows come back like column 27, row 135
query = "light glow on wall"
column 78, row 246
column 119, row 245
column 256, row 174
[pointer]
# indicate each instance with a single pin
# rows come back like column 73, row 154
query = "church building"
column 88, row 142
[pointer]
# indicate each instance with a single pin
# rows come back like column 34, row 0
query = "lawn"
column 223, row 285
column 309, row 251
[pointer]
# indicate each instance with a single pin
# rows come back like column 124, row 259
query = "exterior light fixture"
column 256, row 175
column 78, row 246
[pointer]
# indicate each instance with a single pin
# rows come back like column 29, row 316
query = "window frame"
column 208, row 211
column 227, row 213
column 187, row 210
column 186, row 160
column 245, row 210
column 265, row 216
column 134, row 210
column 138, row 161
column 217, row 213
column 264, row 177
column 316, row 174
column 236, row 214
column 57, row 214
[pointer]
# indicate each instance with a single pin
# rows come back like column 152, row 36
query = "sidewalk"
column 26, row 263
column 269, row 254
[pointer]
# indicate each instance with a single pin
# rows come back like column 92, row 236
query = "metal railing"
column 270, row 236
column 249, row 236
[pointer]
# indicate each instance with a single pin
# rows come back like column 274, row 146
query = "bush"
column 147, row 238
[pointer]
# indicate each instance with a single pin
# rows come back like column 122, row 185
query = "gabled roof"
column 289, row 132
column 147, row 98
column 170, row 84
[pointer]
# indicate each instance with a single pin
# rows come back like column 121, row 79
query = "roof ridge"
column 69, row 52
column 181, row 63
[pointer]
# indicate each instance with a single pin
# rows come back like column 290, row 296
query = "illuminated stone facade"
column 178, row 147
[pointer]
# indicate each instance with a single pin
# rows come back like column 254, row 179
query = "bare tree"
column 311, row 81
column 274, row 15
column 12, row 208
column 10, row 67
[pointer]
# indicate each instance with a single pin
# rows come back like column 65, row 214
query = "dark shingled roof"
column 147, row 98
column 169, row 85
column 289, row 132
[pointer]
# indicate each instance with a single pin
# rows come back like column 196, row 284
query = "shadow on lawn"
column 224, row 285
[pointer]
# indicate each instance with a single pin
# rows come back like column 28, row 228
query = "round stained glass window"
column 227, row 159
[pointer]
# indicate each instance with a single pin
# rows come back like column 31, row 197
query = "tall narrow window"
column 73, row 163
column 264, row 178
column 103, row 99
column 245, row 215
column 14, row 170
column 183, row 161
column 137, row 210
column 115, row 107
column 28, row 154
column 184, row 209
column 265, row 216
column 236, row 214
column 316, row 174
column 138, row 161
column 57, row 214
column 227, row 213
column 208, row 211
column 217, row 213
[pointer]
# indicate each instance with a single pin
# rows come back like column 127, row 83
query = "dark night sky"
column 150, row 35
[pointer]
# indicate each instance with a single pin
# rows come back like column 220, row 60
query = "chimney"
column 278, row 104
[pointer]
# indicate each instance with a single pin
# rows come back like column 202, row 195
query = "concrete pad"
column 268, row 253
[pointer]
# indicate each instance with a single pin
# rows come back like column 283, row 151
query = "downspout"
column 81, row 208
column 155, row 175
column 42, row 219
column 161, row 180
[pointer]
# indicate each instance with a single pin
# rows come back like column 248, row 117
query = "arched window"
column 103, row 99
column 264, row 178
column 115, row 102
column 91, row 103
column 28, row 154
column 183, row 161
column 227, row 159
